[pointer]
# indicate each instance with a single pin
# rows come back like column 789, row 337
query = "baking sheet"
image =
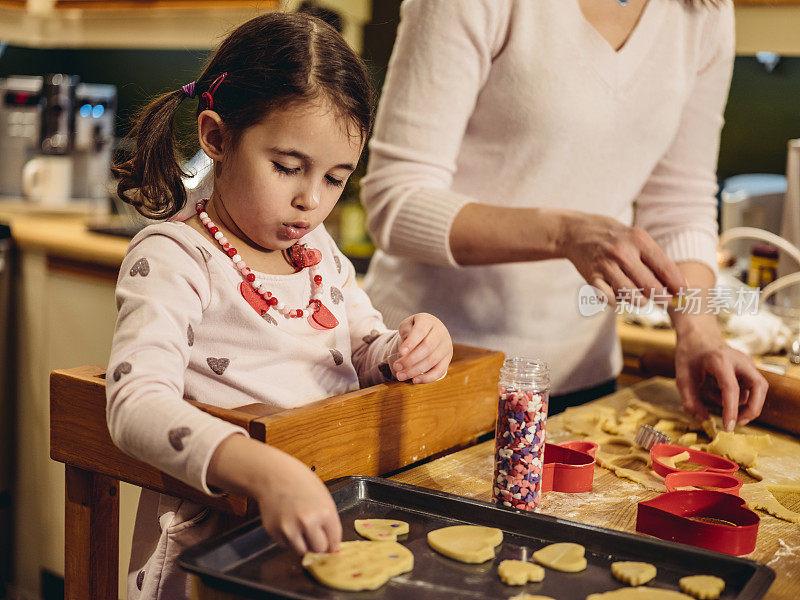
column 247, row 562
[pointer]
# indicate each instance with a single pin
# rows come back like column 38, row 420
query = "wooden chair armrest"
column 367, row 432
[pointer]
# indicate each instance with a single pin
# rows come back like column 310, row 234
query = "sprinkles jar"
column 520, row 431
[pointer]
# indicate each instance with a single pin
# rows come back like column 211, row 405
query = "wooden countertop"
column 613, row 501
column 62, row 233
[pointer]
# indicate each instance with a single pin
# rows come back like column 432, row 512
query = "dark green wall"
column 763, row 109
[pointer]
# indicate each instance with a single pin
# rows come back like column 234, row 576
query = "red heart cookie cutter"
column 675, row 516
column 709, row 462
column 568, row 467
column 720, row 482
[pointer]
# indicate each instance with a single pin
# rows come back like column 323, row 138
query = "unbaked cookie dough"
column 759, row 496
column 704, row 587
column 632, row 572
column 519, row 572
column 530, row 597
column 359, row 565
column 466, row 543
column 672, row 461
column 639, row 593
column 381, row 529
column 564, row 556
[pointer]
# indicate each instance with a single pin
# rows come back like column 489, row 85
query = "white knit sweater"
column 522, row 103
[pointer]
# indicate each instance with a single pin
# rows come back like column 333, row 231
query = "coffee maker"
column 56, row 114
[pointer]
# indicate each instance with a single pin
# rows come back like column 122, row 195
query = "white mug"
column 47, row 180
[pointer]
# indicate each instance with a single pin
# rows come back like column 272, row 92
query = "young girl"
column 248, row 300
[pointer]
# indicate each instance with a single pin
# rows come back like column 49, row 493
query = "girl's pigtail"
column 151, row 180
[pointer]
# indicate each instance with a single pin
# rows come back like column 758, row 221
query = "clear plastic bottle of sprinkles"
column 520, row 432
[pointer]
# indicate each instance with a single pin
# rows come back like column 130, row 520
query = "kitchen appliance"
column 752, row 200
column 57, row 115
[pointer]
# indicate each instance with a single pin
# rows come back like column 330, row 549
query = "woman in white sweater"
column 526, row 147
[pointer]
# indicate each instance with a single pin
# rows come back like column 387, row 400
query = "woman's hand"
column 701, row 353
column 618, row 259
column 425, row 351
column 296, row 508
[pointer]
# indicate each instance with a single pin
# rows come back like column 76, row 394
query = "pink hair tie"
column 188, row 89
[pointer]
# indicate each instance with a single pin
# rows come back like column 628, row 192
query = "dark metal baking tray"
column 247, row 562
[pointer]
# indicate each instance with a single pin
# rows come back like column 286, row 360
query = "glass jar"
column 524, row 392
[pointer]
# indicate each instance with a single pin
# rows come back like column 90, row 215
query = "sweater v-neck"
column 617, row 67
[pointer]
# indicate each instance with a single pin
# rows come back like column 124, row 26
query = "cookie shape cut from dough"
column 639, row 593
column 466, row 543
column 380, row 529
column 632, row 572
column 519, row 572
column 564, row 556
column 704, row 587
column 359, row 565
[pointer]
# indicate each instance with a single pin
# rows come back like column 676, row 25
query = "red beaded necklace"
column 300, row 255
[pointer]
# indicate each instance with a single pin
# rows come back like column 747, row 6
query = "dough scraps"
column 381, row 529
column 759, row 496
column 466, row 543
column 632, row 572
column 672, row 461
column 359, row 565
column 519, row 572
column 563, row 556
column 739, row 447
column 704, row 587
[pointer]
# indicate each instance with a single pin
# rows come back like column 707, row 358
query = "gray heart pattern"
column 338, row 359
column 123, row 368
column 269, row 319
column 205, row 253
column 338, row 262
column 190, row 335
column 141, row 267
column 218, row 365
column 139, row 580
column 336, row 295
column 385, row 370
column 176, row 437
column 371, row 336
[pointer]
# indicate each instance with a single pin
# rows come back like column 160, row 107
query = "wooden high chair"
column 368, row 432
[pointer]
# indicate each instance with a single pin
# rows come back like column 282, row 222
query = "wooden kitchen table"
column 613, row 501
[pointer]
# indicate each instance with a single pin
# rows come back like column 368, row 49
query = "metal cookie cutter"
column 703, row 518
column 648, row 436
column 719, row 482
column 568, row 467
column 709, row 462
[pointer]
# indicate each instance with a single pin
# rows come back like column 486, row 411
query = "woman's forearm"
column 483, row 234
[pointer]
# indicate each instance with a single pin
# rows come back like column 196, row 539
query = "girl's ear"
column 211, row 134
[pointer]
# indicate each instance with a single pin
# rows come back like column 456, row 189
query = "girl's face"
column 286, row 174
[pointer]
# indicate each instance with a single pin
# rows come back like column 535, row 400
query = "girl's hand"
column 618, row 259
column 426, row 349
column 741, row 388
column 296, row 508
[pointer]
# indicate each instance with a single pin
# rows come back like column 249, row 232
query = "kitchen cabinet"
column 65, row 281
column 178, row 24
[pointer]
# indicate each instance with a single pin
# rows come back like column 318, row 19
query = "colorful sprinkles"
column 519, row 448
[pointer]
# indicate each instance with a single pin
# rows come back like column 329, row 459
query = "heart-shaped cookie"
column 466, row 543
column 563, row 556
column 359, row 565
column 704, row 587
column 380, row 529
column 519, row 572
column 632, row 572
